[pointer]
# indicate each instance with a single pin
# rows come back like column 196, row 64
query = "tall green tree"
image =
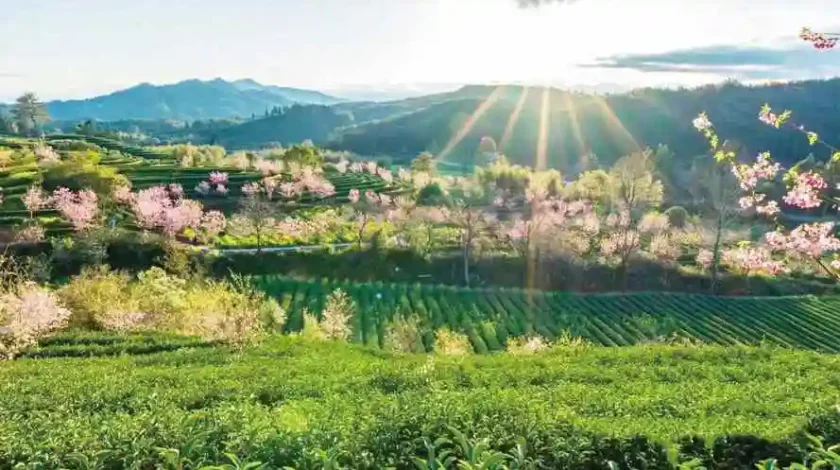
column 425, row 163
column 29, row 113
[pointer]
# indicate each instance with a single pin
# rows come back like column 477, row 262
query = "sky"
column 64, row 49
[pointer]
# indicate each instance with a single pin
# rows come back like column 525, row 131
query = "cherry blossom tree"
column 806, row 190
column 217, row 183
column 367, row 208
column 257, row 210
column 212, row 224
column 820, row 41
column 163, row 208
column 79, row 208
column 35, row 199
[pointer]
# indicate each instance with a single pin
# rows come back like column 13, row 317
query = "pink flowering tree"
column 216, row 184
column 80, row 208
column 164, row 208
column 427, row 219
column 257, row 210
column 469, row 214
column 35, row 199
column 805, row 190
column 540, row 221
column 367, row 208
column 820, row 41
column 212, row 224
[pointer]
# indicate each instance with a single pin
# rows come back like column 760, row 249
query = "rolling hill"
column 577, row 123
column 187, row 100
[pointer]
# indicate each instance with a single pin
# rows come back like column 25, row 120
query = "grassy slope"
column 287, row 395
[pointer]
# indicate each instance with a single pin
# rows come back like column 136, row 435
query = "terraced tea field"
column 146, row 167
column 490, row 316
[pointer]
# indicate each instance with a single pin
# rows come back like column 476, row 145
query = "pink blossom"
column 155, row 208
column 371, row 167
column 499, row 201
column 28, row 315
column 519, row 230
column 45, row 154
column 80, row 208
column 653, row 223
column 218, row 177
column 221, row 189
column 805, row 192
column 385, row 174
column 371, row 197
column 270, row 185
column 288, row 190
column 35, row 199
column 749, row 175
column 316, row 185
column 251, row 189
column 268, row 167
column 353, row 196
column 701, row 122
column 705, row 258
column 341, row 166
column 619, row 242
column 213, row 223
column 752, row 259
column 769, row 209
column 176, row 190
column 810, row 240
column 122, row 194
column 31, row 233
column 356, row 167
column 766, row 116
column 203, row 188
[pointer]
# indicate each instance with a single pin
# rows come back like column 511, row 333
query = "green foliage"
column 307, row 155
column 82, row 170
column 424, row 163
column 677, row 216
column 432, row 195
column 301, row 404
column 609, row 320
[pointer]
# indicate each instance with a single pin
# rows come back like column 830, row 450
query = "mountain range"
column 187, row 100
column 567, row 130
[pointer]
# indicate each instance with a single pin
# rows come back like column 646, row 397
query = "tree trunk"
column 716, row 255
column 466, row 241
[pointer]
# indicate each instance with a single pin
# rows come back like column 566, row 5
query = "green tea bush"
column 298, row 403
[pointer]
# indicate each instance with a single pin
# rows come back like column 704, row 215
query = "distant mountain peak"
column 187, row 100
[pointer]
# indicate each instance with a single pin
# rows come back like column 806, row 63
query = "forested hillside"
column 608, row 126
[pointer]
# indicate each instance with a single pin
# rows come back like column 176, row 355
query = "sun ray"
column 614, row 123
column 545, row 121
column 571, row 110
column 468, row 125
column 514, row 118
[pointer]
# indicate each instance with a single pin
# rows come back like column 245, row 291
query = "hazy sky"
column 78, row 48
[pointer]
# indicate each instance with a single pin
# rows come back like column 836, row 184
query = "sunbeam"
column 514, row 118
column 571, row 110
column 614, row 124
column 468, row 125
column 545, row 118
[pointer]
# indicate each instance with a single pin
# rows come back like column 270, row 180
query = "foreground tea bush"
column 301, row 403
